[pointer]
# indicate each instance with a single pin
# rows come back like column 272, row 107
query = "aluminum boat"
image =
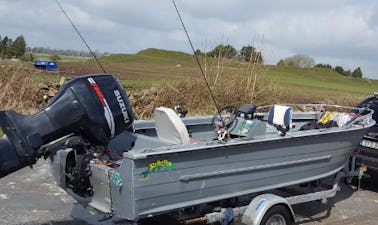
column 172, row 163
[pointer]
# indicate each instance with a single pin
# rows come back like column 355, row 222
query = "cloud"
column 341, row 31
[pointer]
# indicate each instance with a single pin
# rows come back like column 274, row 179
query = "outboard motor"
column 93, row 107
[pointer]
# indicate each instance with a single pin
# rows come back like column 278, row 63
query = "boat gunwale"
column 172, row 149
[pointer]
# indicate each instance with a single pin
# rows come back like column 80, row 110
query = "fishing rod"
column 82, row 38
column 202, row 72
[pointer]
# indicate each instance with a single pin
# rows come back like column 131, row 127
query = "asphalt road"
column 30, row 197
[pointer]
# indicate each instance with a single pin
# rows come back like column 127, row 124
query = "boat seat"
column 280, row 117
column 169, row 126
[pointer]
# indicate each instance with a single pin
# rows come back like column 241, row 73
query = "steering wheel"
column 226, row 114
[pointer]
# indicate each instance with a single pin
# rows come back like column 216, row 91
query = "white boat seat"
column 169, row 126
column 281, row 117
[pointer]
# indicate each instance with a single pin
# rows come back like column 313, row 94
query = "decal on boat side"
column 158, row 165
column 115, row 177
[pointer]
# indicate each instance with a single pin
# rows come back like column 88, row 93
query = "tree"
column 4, row 47
column 301, row 61
column 357, row 72
column 67, row 52
column 18, row 47
column 249, row 54
column 223, row 51
column 281, row 63
column 9, row 48
column 199, row 53
column 339, row 69
column 347, row 73
column 323, row 66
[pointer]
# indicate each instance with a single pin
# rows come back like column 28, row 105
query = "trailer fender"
column 260, row 205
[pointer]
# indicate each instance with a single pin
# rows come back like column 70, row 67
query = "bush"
column 192, row 94
column 28, row 57
column 19, row 91
column 55, row 58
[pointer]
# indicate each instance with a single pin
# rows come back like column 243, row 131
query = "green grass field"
column 152, row 67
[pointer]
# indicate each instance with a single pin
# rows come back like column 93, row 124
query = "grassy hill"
column 320, row 80
column 173, row 64
column 151, row 55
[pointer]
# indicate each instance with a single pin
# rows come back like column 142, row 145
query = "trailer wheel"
column 277, row 215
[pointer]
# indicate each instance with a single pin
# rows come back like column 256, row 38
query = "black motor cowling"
column 94, row 107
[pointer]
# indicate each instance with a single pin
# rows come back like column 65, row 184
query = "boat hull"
column 159, row 182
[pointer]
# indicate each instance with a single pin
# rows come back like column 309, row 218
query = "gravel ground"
column 30, row 197
column 349, row 207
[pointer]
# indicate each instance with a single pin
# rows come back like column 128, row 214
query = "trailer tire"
column 278, row 214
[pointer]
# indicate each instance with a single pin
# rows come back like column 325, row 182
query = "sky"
column 336, row 32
